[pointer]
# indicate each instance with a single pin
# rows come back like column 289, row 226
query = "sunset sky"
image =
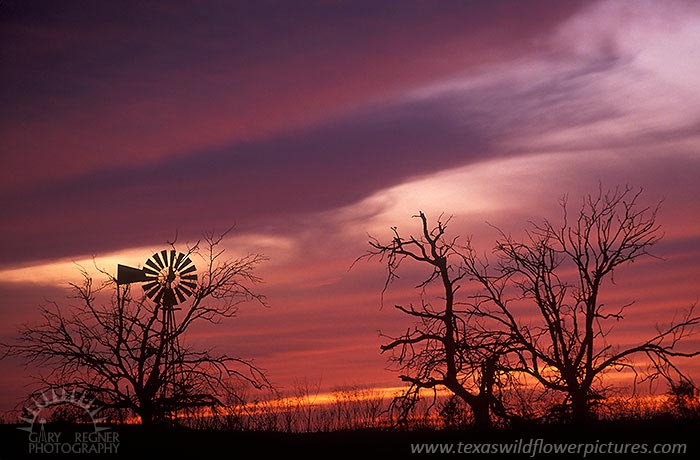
column 311, row 124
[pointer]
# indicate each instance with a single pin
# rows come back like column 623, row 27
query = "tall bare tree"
column 559, row 275
column 444, row 349
column 111, row 344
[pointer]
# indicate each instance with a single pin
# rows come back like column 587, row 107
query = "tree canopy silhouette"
column 443, row 349
column 561, row 273
column 110, row 342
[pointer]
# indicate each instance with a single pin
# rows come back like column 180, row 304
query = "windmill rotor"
column 169, row 277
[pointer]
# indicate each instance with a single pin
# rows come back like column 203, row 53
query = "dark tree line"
column 536, row 312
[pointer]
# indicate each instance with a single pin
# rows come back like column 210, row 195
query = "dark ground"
column 134, row 442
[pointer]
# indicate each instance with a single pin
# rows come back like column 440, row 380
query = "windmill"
column 169, row 278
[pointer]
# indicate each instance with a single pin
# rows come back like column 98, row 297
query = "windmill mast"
column 169, row 278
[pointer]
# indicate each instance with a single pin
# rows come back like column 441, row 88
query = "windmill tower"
column 169, row 278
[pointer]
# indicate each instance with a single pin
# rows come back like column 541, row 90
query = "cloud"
column 310, row 128
column 86, row 88
column 300, row 172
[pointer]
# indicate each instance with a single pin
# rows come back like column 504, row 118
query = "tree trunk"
column 482, row 416
column 147, row 414
column 579, row 408
column 146, row 418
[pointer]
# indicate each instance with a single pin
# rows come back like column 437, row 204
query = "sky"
column 309, row 125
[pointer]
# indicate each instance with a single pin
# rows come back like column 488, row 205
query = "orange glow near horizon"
column 640, row 405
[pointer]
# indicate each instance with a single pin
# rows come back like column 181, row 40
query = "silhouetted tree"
column 684, row 398
column 559, row 275
column 112, row 347
column 443, row 349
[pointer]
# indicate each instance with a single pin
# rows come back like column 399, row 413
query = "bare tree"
column 444, row 349
column 559, row 274
column 111, row 344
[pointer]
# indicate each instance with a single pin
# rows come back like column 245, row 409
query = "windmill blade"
column 180, row 256
column 148, row 286
column 185, row 290
column 156, row 257
column 189, row 284
column 173, row 254
column 149, row 272
column 184, row 263
column 189, row 269
column 192, row 277
column 152, row 264
column 159, row 295
column 180, row 296
column 164, row 255
column 152, row 293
